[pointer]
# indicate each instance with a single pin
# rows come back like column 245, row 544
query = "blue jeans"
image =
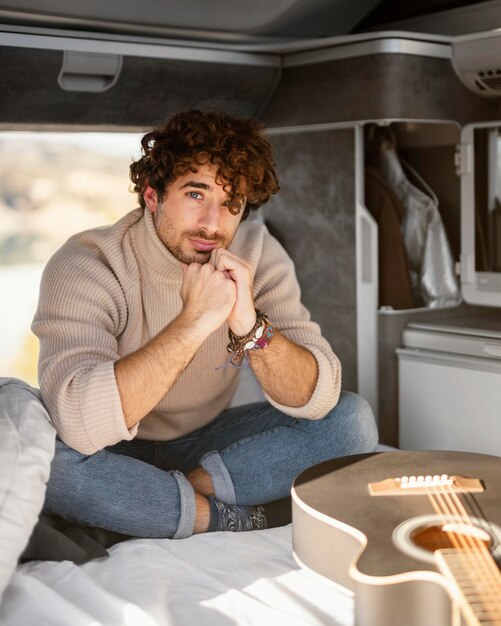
column 252, row 453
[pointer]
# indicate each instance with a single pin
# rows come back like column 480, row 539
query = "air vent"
column 477, row 61
column 490, row 79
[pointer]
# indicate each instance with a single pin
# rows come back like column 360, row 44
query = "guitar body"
column 346, row 534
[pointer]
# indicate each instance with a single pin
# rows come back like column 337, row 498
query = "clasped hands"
column 219, row 291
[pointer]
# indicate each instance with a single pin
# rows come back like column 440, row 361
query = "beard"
column 197, row 256
column 174, row 241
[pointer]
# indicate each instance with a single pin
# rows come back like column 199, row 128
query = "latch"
column 463, row 159
column 467, row 268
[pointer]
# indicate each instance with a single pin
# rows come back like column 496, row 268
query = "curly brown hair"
column 242, row 156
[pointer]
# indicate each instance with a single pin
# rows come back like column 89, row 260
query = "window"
column 52, row 186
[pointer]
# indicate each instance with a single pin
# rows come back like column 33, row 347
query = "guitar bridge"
column 423, row 485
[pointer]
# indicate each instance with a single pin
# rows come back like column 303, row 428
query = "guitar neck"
column 477, row 581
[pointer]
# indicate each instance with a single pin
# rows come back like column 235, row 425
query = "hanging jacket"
column 431, row 266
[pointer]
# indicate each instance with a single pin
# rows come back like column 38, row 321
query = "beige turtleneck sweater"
column 109, row 290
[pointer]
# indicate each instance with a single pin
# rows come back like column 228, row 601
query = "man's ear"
column 150, row 198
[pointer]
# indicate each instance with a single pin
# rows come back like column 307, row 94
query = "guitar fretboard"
column 478, row 582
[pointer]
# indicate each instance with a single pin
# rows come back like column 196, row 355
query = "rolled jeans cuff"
column 221, row 479
column 187, row 507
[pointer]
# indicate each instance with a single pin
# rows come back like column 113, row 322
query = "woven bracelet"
column 257, row 339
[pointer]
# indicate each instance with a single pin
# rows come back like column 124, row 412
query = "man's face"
column 193, row 217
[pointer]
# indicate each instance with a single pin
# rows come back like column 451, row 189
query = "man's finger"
column 226, row 261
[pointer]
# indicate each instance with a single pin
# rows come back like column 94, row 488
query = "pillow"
column 27, row 441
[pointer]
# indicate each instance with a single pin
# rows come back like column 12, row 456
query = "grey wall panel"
column 314, row 218
column 375, row 87
column 148, row 90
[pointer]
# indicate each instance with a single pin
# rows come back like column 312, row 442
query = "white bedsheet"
column 216, row 579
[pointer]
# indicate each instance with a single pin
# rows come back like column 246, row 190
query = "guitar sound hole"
column 433, row 538
column 420, row 536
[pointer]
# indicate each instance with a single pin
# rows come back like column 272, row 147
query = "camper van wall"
column 314, row 219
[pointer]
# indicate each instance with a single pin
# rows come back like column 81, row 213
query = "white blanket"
column 216, row 579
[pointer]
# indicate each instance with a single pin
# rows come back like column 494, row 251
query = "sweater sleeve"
column 81, row 312
column 278, row 294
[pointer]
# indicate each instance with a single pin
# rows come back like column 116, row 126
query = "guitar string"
column 474, row 506
column 476, row 509
column 470, row 549
column 475, row 549
column 487, row 561
column 460, row 505
column 458, row 541
column 463, row 543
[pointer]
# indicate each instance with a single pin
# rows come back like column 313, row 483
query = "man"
column 143, row 327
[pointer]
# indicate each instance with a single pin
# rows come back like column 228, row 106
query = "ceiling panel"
column 276, row 18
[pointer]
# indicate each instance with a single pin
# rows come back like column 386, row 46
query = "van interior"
column 385, row 122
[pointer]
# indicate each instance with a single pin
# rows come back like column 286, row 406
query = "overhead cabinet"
column 53, row 78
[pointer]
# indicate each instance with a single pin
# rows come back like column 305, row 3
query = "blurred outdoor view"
column 51, row 186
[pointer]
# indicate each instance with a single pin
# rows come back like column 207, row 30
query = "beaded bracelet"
column 257, row 339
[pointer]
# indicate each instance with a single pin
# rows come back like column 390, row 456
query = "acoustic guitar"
column 414, row 535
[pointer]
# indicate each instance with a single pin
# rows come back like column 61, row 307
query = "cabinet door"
column 479, row 164
column 449, row 402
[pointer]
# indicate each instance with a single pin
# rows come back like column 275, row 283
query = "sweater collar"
column 154, row 253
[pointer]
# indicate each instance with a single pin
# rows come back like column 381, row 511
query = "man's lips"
column 203, row 246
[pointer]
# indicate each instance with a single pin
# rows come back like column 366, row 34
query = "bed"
column 213, row 579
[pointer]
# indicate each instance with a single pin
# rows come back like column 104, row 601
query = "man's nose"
column 209, row 217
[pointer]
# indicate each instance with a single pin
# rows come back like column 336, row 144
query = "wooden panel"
column 314, row 218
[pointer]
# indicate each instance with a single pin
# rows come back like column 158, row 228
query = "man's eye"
column 194, row 194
